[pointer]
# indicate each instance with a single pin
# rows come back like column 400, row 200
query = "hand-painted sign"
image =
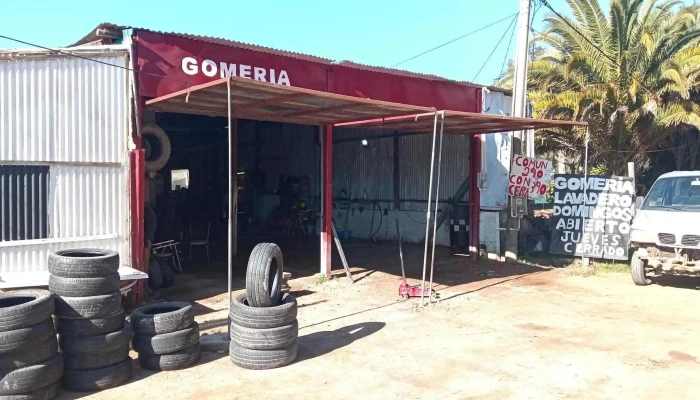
column 529, row 177
column 596, row 225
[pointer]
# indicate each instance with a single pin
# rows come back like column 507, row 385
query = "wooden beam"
column 272, row 101
column 342, row 107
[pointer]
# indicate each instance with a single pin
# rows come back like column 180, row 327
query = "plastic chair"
column 199, row 236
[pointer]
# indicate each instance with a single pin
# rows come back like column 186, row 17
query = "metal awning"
column 265, row 101
column 459, row 122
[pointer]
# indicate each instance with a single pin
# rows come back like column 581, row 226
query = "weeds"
column 320, row 279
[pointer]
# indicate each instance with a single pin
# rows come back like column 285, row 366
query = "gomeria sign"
column 529, row 177
column 222, row 69
column 596, row 224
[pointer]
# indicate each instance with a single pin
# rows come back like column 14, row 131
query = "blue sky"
column 367, row 31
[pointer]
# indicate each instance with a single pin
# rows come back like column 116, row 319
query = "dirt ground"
column 498, row 332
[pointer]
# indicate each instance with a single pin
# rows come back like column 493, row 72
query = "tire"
column 168, row 275
column 157, row 146
column 95, row 360
column 97, row 379
column 23, row 308
column 99, row 344
column 36, row 354
column 25, row 380
column 638, row 270
column 265, row 339
column 88, row 307
column 24, row 339
column 263, row 279
column 155, row 275
column 46, row 393
column 82, row 327
column 161, row 318
column 83, row 263
column 81, row 287
column 263, row 318
column 165, row 343
column 262, row 359
column 172, row 361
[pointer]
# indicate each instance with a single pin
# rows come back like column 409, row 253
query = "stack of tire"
column 93, row 335
column 30, row 365
column 264, row 328
column 166, row 336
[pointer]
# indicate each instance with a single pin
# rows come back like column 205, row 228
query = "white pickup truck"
column 665, row 232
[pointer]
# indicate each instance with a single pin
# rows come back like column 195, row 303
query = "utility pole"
column 519, row 100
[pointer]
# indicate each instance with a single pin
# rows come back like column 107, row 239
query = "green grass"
column 573, row 265
column 320, row 279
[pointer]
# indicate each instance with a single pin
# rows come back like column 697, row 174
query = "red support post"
column 474, row 195
column 327, row 198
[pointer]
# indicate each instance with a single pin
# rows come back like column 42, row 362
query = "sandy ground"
column 498, row 332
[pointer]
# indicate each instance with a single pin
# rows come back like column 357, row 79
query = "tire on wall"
column 157, row 145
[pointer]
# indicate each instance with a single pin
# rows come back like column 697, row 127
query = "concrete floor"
column 498, row 332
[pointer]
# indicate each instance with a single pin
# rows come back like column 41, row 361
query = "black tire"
column 263, row 278
column 155, row 275
column 244, row 315
column 83, row 263
column 97, row 379
column 23, row 308
column 24, row 339
column 81, row 327
column 81, row 287
column 37, row 353
column 638, row 270
column 25, row 380
column 265, row 339
column 99, row 344
column 161, row 318
column 95, row 360
column 168, row 275
column 88, row 307
column 262, row 359
column 172, row 361
column 46, row 393
column 165, row 343
column 157, row 145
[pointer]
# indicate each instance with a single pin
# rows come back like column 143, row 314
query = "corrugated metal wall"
column 72, row 116
column 23, row 202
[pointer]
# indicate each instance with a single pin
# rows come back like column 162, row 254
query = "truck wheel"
column 638, row 269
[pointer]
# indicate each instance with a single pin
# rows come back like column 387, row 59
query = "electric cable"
column 495, row 47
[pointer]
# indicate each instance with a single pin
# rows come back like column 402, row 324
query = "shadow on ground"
column 321, row 343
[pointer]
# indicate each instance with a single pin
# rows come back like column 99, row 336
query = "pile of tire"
column 93, row 334
column 264, row 327
column 30, row 365
column 166, row 336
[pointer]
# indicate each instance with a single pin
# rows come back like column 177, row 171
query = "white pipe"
column 437, row 197
column 230, row 202
column 427, row 213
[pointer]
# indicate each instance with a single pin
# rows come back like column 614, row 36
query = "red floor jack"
column 406, row 290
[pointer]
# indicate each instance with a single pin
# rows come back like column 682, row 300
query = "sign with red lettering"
column 529, row 177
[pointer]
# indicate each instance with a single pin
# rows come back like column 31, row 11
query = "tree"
column 632, row 75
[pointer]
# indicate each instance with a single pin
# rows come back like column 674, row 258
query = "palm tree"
column 631, row 75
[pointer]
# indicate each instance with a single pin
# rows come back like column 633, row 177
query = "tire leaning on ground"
column 23, row 308
column 172, row 361
column 638, row 270
column 262, row 359
column 242, row 314
column 265, row 339
column 31, row 378
column 166, row 342
column 263, row 279
column 89, row 307
column 97, row 344
column 80, row 287
column 157, row 145
column 160, row 318
column 45, row 393
column 83, row 263
column 81, row 327
column 98, row 379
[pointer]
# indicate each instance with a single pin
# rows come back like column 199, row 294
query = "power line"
column 453, row 40
column 495, row 47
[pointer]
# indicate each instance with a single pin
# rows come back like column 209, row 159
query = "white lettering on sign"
column 529, row 177
column 210, row 68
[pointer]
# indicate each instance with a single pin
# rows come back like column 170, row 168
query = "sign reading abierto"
column 607, row 209
column 529, row 177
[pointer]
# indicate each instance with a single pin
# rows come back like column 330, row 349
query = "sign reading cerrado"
column 594, row 225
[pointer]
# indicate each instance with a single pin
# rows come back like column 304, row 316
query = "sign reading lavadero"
column 607, row 210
